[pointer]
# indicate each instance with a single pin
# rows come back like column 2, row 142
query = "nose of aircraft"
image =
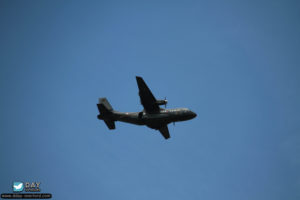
column 193, row 114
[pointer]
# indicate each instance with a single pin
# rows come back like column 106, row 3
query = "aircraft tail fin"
column 104, row 106
column 106, row 110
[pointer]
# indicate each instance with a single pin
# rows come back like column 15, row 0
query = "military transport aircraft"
column 152, row 116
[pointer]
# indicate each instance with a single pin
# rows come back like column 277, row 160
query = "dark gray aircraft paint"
column 152, row 116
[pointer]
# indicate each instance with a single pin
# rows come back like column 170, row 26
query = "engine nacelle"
column 162, row 102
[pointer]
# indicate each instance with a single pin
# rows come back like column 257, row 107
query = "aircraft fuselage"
column 153, row 120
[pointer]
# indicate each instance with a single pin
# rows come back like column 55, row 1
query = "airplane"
column 152, row 116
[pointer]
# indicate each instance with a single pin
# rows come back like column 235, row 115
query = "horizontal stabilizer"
column 110, row 124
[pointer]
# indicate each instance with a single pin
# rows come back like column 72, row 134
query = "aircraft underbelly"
column 132, row 120
column 154, row 121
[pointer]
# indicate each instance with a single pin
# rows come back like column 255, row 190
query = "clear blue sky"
column 235, row 63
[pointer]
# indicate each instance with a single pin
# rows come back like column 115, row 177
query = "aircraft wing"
column 165, row 132
column 146, row 96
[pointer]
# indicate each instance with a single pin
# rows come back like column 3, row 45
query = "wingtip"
column 139, row 79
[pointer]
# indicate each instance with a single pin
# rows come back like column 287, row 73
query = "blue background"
column 235, row 63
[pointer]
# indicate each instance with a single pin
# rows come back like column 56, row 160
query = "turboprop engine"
column 162, row 102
